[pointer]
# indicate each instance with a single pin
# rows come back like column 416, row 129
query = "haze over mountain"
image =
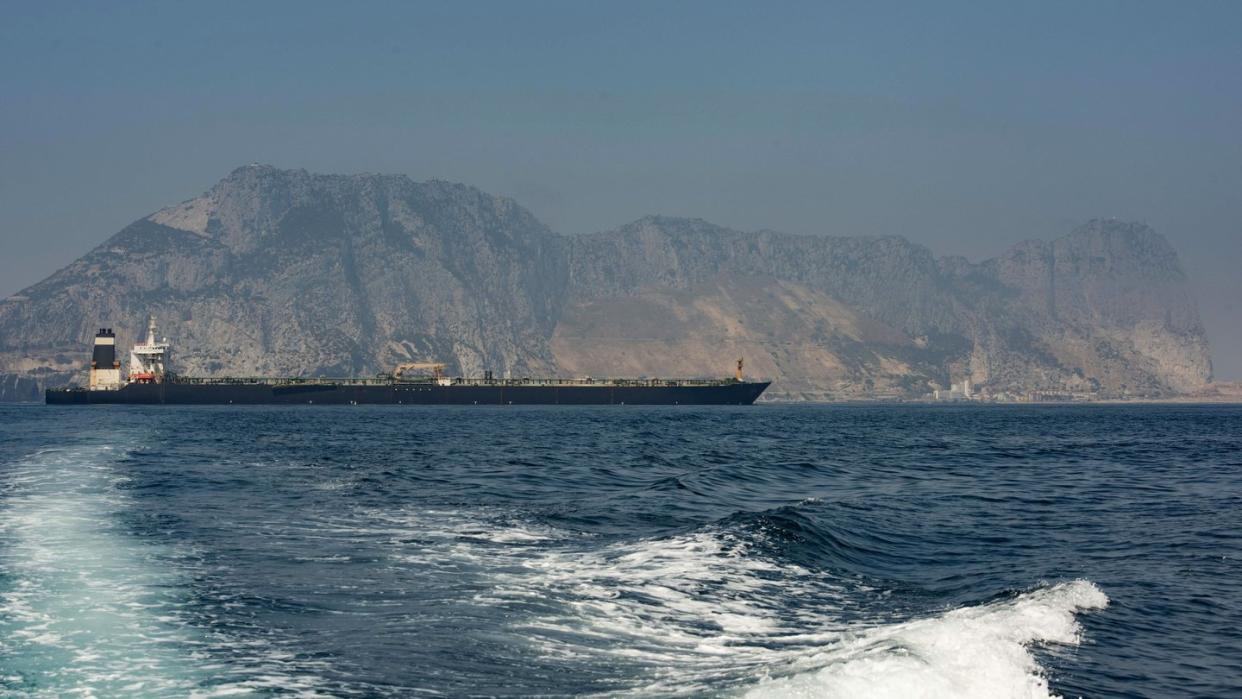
column 275, row 272
column 964, row 127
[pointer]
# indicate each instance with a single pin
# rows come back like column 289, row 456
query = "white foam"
column 979, row 652
column 77, row 615
column 86, row 609
column 707, row 613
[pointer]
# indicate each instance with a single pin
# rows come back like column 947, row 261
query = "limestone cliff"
column 1107, row 305
column 1105, row 308
column 278, row 272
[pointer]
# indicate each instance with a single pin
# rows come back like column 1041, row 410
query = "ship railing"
column 459, row 381
column 276, row 381
column 651, row 382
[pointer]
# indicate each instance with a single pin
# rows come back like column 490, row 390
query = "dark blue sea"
column 768, row 551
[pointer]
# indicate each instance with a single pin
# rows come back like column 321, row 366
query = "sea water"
column 765, row 551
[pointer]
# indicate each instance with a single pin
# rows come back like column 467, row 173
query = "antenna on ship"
column 148, row 362
column 738, row 374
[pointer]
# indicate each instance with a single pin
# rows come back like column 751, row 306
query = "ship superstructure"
column 148, row 361
column 105, row 372
column 150, row 381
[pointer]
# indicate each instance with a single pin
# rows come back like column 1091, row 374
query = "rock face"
column 1108, row 303
column 278, row 272
column 275, row 272
column 1104, row 309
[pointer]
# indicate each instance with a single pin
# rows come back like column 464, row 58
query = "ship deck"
column 321, row 391
column 454, row 381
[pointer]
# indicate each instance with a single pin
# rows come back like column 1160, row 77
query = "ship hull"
column 740, row 393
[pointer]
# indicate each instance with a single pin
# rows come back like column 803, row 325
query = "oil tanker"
column 149, row 382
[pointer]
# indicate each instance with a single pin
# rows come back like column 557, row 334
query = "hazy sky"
column 962, row 126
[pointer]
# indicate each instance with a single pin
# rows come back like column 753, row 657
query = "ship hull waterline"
column 739, row 393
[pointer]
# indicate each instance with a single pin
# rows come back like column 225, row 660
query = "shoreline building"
column 957, row 391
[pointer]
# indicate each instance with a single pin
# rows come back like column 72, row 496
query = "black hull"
column 409, row 394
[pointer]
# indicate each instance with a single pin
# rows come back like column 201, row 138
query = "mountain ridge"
column 284, row 271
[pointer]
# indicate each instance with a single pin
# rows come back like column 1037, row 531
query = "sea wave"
column 712, row 611
column 982, row 651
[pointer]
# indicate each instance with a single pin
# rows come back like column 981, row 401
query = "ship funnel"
column 105, row 368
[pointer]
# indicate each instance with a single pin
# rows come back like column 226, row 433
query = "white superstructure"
column 148, row 360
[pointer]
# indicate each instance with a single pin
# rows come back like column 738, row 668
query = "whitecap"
column 711, row 612
column 982, row 651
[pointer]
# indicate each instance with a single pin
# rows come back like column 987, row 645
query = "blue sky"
column 962, row 126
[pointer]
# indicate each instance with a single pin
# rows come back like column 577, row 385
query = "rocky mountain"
column 1104, row 309
column 275, row 272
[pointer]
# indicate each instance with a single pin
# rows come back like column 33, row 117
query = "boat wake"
column 711, row 612
column 982, row 651
column 83, row 607
column 88, row 608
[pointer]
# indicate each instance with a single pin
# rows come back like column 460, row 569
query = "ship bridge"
column 148, row 361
